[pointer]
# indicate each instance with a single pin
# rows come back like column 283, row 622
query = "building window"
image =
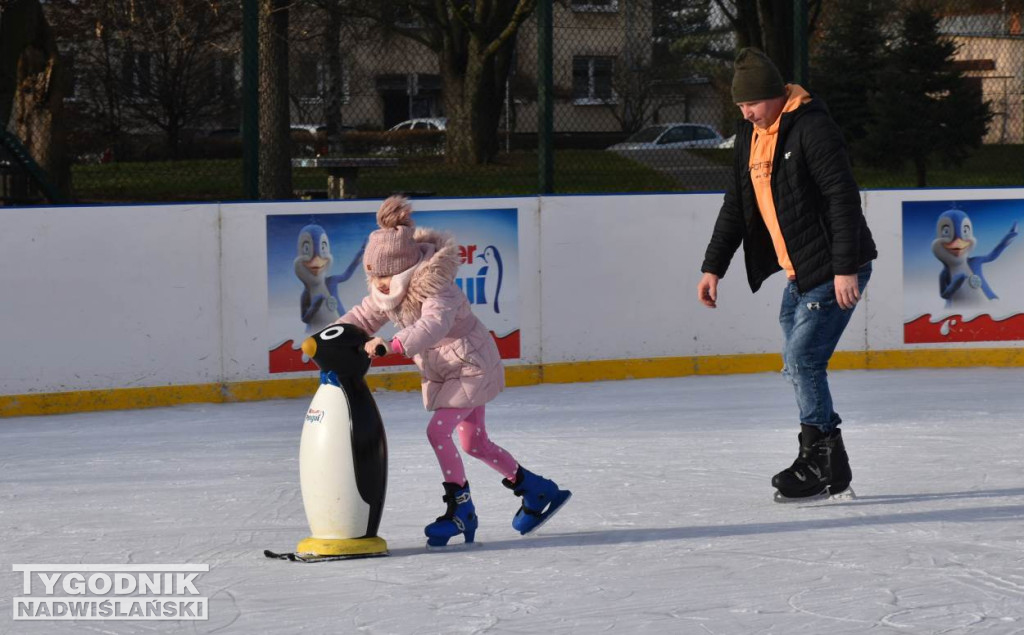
column 312, row 82
column 68, row 59
column 138, row 74
column 404, row 17
column 220, row 76
column 592, row 80
column 974, row 65
column 596, row 6
column 225, row 73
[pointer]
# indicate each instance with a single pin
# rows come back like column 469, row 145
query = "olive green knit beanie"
column 756, row 78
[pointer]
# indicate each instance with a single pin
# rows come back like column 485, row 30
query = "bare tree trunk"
column 460, row 142
column 275, row 178
column 768, row 25
column 10, row 53
column 500, row 69
column 335, row 80
column 766, row 18
column 777, row 28
column 32, row 88
column 747, row 24
column 921, row 170
column 473, row 101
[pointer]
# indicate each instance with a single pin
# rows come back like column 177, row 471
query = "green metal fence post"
column 545, row 97
column 250, row 100
column 801, row 65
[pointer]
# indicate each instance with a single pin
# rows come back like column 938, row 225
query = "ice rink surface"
column 671, row 528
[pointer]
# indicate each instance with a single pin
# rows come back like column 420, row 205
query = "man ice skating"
column 795, row 207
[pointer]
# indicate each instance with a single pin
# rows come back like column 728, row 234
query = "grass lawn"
column 576, row 171
column 511, row 174
column 990, row 166
column 158, row 181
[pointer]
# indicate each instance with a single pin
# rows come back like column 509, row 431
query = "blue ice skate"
column 541, row 500
column 460, row 518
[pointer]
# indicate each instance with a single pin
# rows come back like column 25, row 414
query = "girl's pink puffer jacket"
column 459, row 363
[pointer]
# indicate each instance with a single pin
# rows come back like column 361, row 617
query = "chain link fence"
column 127, row 101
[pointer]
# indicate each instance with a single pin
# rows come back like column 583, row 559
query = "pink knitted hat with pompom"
column 391, row 249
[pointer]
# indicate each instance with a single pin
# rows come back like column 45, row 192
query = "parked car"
column 313, row 137
column 423, row 136
column 423, row 123
column 221, row 143
column 307, row 140
column 671, row 136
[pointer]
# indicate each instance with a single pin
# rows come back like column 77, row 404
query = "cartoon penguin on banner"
column 486, row 282
column 962, row 282
column 319, row 304
column 492, row 286
column 343, row 455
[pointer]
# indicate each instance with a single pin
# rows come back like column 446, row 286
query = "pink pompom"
column 395, row 211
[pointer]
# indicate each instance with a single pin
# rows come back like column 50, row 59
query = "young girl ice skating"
column 411, row 276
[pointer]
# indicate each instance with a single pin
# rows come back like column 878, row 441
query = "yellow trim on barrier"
column 519, row 375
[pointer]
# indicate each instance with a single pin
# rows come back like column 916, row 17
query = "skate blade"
column 846, row 495
column 548, row 515
column 313, row 557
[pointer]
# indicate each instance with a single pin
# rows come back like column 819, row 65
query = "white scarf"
column 400, row 282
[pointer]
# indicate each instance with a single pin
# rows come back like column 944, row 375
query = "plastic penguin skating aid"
column 343, row 458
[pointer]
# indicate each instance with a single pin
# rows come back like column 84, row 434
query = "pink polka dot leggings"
column 472, row 437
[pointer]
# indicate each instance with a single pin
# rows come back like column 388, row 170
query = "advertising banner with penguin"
column 315, row 274
column 962, row 266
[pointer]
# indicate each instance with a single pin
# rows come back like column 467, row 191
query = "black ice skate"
column 822, row 469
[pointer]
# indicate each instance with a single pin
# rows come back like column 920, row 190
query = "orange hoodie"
column 762, row 152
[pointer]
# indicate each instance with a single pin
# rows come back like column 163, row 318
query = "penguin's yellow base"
column 352, row 547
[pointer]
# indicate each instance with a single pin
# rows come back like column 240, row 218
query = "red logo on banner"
column 955, row 329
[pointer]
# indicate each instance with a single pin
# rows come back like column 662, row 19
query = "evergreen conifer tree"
column 923, row 108
column 848, row 57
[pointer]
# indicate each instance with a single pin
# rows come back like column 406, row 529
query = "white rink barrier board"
column 129, row 306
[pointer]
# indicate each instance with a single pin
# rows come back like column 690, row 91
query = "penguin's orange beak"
column 315, row 264
column 309, row 347
column 957, row 246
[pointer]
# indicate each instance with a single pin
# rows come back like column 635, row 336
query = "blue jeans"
column 812, row 324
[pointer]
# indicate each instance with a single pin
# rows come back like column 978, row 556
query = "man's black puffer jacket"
column 816, row 200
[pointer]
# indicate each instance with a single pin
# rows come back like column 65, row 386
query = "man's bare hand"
column 847, row 291
column 707, row 290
